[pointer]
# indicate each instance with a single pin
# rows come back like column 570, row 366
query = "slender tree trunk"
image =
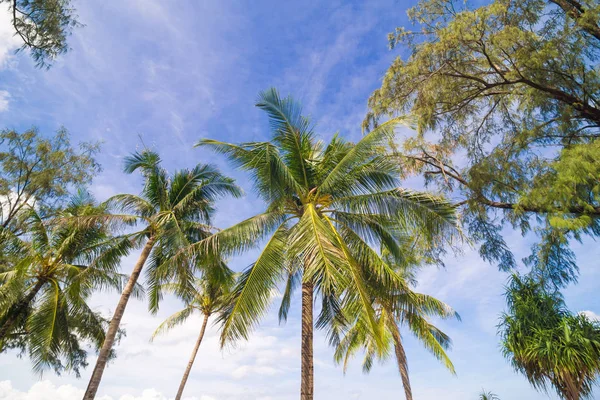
column 113, row 327
column 18, row 309
column 307, row 387
column 402, row 361
column 186, row 374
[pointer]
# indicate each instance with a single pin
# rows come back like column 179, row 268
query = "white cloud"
column 8, row 41
column 245, row 370
column 590, row 314
column 4, row 96
column 46, row 390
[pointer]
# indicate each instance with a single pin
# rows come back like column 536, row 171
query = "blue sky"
column 175, row 72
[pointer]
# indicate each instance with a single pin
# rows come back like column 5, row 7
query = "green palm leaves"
column 395, row 308
column 174, row 212
column 328, row 206
column 210, row 295
column 336, row 222
column 55, row 267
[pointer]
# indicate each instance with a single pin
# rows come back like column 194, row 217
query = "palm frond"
column 173, row 320
column 291, row 131
column 252, row 294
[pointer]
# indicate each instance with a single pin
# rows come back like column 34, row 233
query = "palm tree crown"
column 210, row 295
column 174, row 212
column 395, row 308
column 327, row 206
column 55, row 267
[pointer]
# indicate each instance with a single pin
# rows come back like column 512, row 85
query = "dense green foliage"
column 40, row 171
column 43, row 26
column 553, row 348
column 508, row 117
column 55, row 267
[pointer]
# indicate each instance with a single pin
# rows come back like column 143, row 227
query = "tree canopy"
column 43, row 26
column 44, row 289
column 552, row 347
column 505, row 98
column 40, row 171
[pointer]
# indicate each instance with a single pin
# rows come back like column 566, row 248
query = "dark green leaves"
column 544, row 341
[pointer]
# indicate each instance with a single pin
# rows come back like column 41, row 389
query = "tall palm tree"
column 209, row 296
column 53, row 269
column 325, row 205
column 544, row 341
column 174, row 211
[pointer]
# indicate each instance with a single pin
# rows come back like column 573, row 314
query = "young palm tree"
column 548, row 344
column 53, row 269
column 175, row 211
column 325, row 205
column 396, row 308
column 209, row 296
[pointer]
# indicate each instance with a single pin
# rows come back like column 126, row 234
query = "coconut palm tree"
column 174, row 212
column 52, row 270
column 397, row 308
column 544, row 341
column 209, row 296
column 326, row 205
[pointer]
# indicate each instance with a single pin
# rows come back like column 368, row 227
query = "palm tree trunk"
column 186, row 374
column 402, row 361
column 113, row 327
column 307, row 386
column 18, row 309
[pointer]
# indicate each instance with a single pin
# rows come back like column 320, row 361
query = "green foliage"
column 505, row 102
column 43, row 26
column 40, row 171
column 175, row 211
column 211, row 294
column 550, row 346
column 43, row 293
column 394, row 309
column 328, row 204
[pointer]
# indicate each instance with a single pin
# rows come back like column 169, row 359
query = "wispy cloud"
column 4, row 97
column 8, row 41
column 176, row 73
